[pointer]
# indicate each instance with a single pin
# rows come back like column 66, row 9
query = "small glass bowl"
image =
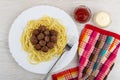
column 82, row 14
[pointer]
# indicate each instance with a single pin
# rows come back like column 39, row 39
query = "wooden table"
column 10, row 9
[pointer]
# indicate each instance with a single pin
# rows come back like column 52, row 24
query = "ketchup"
column 82, row 14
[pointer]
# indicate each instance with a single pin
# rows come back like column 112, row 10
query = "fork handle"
column 45, row 78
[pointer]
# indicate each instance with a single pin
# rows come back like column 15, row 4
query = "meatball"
column 42, row 43
column 46, row 32
column 50, row 45
column 44, row 49
column 42, row 28
column 47, row 39
column 53, row 33
column 43, row 39
column 53, row 39
column 33, row 40
column 40, row 36
column 37, row 47
column 36, row 32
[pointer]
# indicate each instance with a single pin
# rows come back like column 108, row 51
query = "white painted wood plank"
column 10, row 9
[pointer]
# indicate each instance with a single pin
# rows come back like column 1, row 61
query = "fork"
column 67, row 48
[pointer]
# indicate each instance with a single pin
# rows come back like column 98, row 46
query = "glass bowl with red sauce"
column 82, row 14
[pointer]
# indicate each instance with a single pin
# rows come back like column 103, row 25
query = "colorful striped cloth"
column 97, row 51
column 99, row 44
column 72, row 74
column 105, row 44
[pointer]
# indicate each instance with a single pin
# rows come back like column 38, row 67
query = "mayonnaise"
column 102, row 19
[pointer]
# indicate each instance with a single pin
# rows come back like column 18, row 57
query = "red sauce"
column 82, row 14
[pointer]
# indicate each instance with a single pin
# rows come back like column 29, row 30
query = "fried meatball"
column 47, row 39
column 42, row 28
column 40, row 36
column 33, row 40
column 50, row 45
column 53, row 33
column 44, row 49
column 37, row 47
column 36, row 32
column 53, row 39
column 42, row 43
column 46, row 32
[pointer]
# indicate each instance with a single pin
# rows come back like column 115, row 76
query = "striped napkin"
column 71, row 74
column 97, row 51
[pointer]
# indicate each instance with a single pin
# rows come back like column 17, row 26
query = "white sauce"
column 102, row 19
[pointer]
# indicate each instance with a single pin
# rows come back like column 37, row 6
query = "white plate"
column 18, row 26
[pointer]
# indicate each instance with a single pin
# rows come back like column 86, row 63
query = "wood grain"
column 10, row 9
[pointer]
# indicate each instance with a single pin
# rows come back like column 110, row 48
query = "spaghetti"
column 34, row 56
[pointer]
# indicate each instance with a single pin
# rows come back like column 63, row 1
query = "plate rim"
column 21, row 14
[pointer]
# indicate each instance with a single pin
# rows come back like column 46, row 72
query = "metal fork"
column 67, row 48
